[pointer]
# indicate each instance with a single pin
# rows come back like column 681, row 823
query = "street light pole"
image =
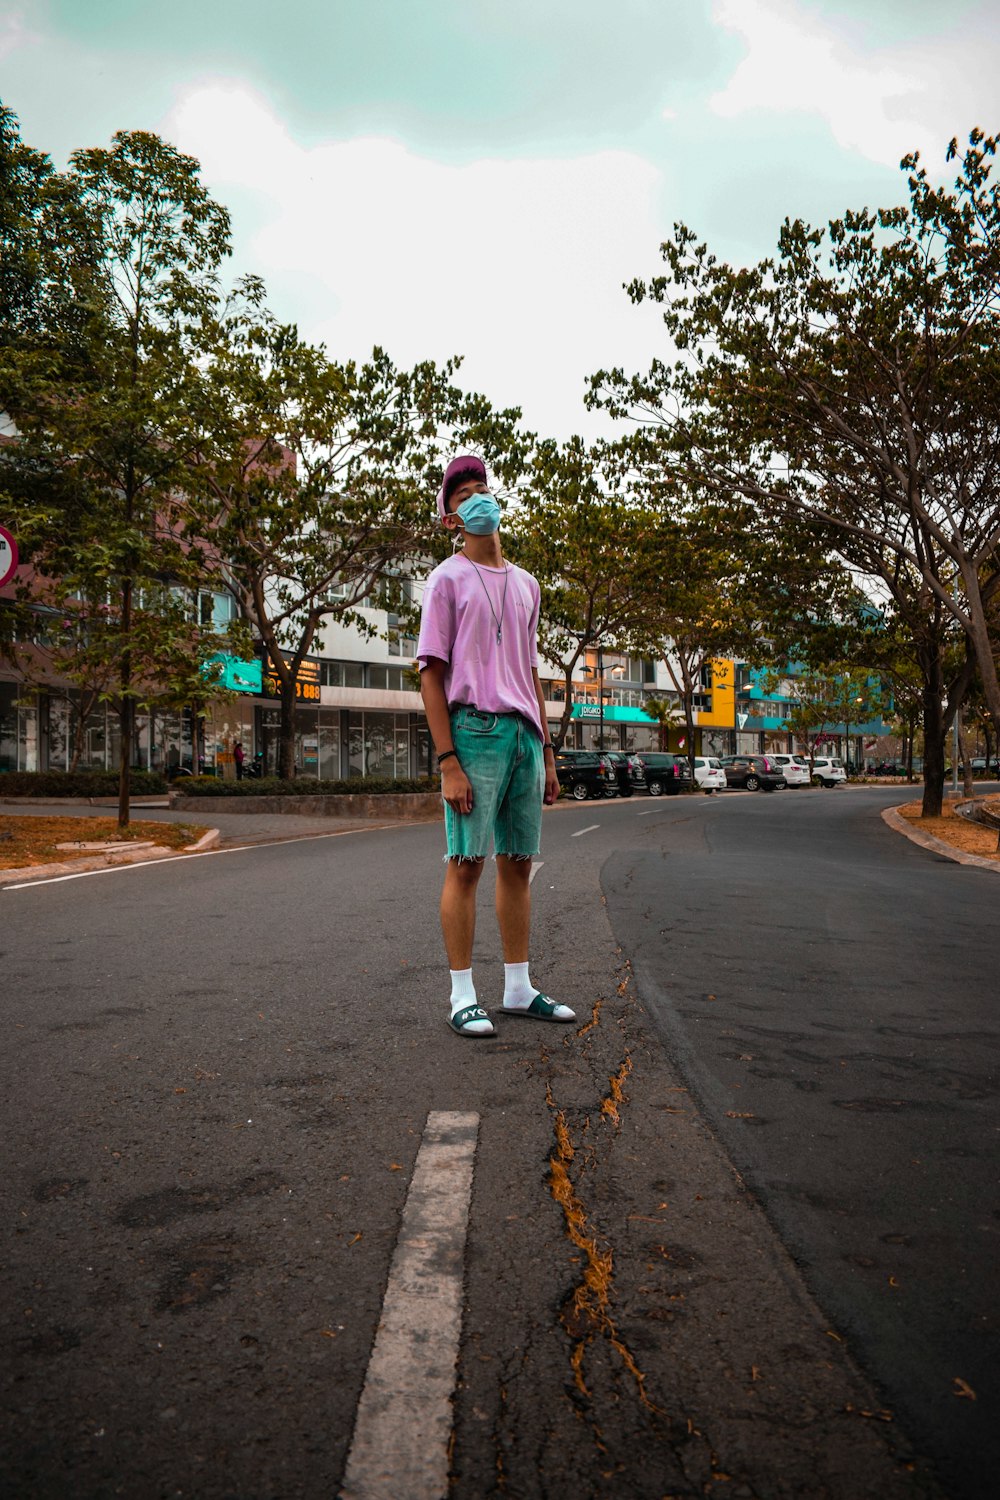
column 600, row 696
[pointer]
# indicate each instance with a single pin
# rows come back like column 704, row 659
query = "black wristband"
column 548, row 745
column 446, row 755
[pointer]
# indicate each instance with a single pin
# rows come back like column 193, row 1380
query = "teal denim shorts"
column 502, row 756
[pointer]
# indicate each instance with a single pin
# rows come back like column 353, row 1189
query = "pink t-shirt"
column 458, row 625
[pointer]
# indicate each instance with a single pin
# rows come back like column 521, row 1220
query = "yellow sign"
column 722, row 714
column 307, row 685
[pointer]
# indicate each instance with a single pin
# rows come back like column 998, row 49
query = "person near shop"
column 485, row 709
column 238, row 759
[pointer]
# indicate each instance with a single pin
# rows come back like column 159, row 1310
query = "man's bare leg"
column 458, row 910
column 514, row 907
column 520, row 996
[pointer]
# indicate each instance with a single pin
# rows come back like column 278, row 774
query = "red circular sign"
column 8, row 556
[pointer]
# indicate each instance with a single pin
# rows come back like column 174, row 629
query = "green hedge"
column 302, row 786
column 76, row 783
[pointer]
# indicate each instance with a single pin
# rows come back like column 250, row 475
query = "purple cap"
column 465, row 463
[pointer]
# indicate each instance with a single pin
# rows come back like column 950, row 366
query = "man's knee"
column 510, row 868
column 465, row 872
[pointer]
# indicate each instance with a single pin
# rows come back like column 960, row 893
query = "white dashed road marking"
column 404, row 1420
column 580, row 831
column 536, row 865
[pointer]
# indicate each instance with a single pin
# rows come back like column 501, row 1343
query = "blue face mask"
column 480, row 515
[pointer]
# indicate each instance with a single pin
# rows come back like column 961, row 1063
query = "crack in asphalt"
column 586, row 1314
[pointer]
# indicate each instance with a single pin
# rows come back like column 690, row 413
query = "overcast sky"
column 478, row 177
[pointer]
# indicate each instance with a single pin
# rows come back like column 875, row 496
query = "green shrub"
column 302, row 786
column 76, row 783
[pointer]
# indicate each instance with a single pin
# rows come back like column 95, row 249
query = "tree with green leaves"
column 847, row 387
column 666, row 713
column 319, row 480
column 824, row 697
column 111, row 418
column 577, row 527
column 702, row 599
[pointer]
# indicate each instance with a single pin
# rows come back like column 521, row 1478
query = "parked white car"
column 828, row 770
column 794, row 768
column 709, row 775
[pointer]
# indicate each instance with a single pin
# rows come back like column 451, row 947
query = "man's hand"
column 456, row 788
column 551, row 780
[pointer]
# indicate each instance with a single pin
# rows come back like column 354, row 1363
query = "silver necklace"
column 489, row 601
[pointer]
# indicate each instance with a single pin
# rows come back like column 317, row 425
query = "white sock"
column 463, row 993
column 518, row 990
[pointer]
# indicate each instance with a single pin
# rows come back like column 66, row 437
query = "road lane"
column 829, row 992
column 215, row 1085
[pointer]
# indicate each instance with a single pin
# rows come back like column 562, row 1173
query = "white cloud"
column 879, row 102
column 516, row 264
column 15, row 34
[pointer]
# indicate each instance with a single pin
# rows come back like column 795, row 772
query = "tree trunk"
column 911, row 724
column 963, row 746
column 982, row 646
column 84, row 710
column 689, row 730
column 934, row 736
column 126, row 707
column 286, row 733
column 559, row 738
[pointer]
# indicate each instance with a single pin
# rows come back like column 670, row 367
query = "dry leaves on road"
column 26, row 840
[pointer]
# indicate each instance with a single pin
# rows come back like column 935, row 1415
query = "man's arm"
column 456, row 789
column 551, row 779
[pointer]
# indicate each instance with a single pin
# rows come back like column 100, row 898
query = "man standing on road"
column 486, row 713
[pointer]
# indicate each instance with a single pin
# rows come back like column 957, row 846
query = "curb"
column 140, row 799
column 937, row 846
column 404, row 807
column 209, row 840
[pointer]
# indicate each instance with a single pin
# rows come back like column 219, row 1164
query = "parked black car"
column 628, row 770
column 663, row 773
column 754, row 772
column 586, row 773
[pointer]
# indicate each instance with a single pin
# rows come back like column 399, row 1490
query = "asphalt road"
column 218, row 1077
column 840, row 1029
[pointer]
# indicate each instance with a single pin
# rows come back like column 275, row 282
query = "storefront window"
column 306, row 742
column 592, row 735
column 267, row 747
column 8, row 727
column 329, row 747
column 93, row 756
column 168, row 746
column 402, row 763
column 425, row 752
column 61, row 720
column 379, row 744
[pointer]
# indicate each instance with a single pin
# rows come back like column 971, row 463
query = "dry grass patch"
column 970, row 838
column 32, row 841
